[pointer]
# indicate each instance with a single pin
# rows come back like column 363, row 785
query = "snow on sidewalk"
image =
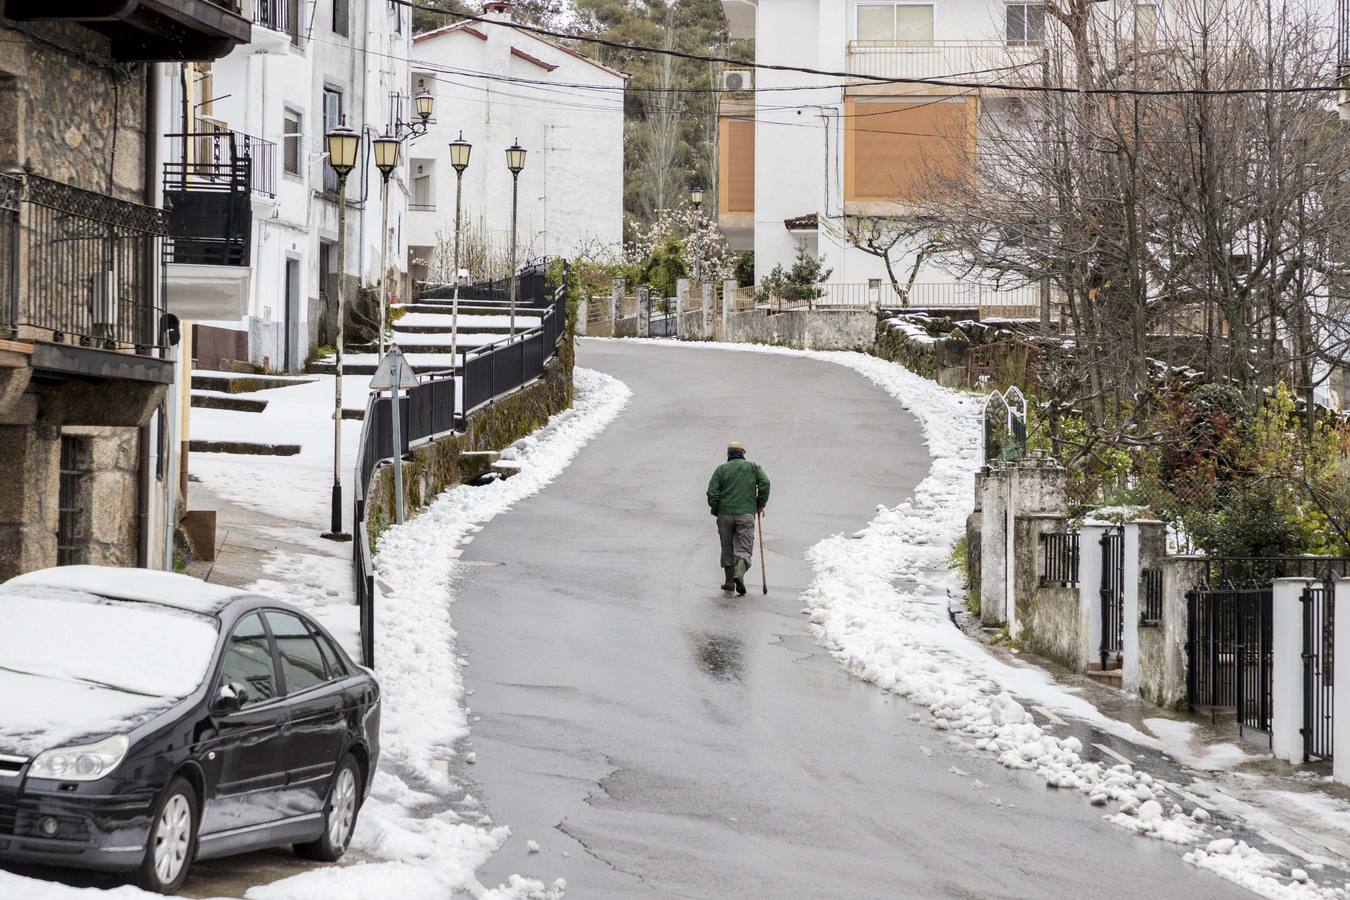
column 423, row 849
column 423, row 692
column 879, row 603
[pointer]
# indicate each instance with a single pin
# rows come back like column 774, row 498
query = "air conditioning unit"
column 738, row 80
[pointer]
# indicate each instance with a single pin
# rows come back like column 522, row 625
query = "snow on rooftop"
column 148, row 585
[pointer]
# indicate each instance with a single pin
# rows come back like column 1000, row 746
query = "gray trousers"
column 738, row 538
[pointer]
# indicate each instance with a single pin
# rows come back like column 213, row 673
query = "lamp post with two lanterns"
column 342, row 145
column 386, row 148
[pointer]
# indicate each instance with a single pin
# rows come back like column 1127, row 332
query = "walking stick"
column 763, row 572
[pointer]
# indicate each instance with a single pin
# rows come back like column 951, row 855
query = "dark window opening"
column 72, row 529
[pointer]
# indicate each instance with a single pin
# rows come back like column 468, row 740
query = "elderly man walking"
column 737, row 492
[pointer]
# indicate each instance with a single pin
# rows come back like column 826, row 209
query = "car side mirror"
column 230, row 698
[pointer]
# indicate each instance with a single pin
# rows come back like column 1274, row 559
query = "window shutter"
column 340, row 17
column 291, row 139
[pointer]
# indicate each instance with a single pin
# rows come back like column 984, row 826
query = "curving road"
column 658, row 739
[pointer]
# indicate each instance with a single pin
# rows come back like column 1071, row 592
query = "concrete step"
column 349, row 368
column 464, row 326
column 247, row 448
column 1110, row 678
column 234, row 404
column 241, row 384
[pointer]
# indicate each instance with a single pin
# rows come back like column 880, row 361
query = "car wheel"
column 173, row 839
column 344, row 800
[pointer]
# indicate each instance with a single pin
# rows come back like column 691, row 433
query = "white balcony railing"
column 982, row 62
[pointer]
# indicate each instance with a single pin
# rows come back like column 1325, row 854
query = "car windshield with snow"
column 150, row 719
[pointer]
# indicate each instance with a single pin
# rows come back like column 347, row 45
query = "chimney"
column 498, row 10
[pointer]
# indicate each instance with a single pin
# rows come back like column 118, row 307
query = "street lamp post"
column 386, row 159
column 696, row 198
column 459, row 159
column 515, row 161
column 342, row 144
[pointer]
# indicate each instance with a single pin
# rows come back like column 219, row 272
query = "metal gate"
column 1319, row 633
column 1113, row 594
column 1230, row 651
column 661, row 318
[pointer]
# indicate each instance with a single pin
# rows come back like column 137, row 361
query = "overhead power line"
column 940, row 81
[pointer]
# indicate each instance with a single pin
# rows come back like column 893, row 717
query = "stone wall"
column 943, row 359
column 1162, row 650
column 69, row 111
column 801, row 329
column 1048, row 617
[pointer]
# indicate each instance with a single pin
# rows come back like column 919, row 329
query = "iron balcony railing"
column 280, row 15
column 77, row 266
column 967, row 61
column 207, row 196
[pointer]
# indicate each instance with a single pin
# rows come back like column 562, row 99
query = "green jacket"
column 738, row 487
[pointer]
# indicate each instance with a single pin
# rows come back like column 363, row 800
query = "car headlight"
column 88, row 763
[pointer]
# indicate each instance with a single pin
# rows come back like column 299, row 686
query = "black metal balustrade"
column 280, row 15
column 206, row 194
column 1229, row 652
column 78, row 266
column 431, row 409
column 1059, row 558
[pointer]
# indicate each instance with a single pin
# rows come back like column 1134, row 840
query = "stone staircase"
column 423, row 332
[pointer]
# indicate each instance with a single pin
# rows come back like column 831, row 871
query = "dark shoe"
column 741, row 568
column 728, row 578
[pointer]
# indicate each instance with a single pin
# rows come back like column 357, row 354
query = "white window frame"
column 857, row 7
column 1026, row 6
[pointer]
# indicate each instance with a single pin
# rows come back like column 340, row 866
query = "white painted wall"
column 799, row 135
column 571, row 190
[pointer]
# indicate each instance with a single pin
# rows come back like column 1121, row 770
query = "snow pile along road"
column 429, row 854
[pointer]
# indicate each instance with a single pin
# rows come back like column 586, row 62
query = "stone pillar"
column 1340, row 723
column 29, row 495
column 707, row 318
column 1130, row 604
column 1163, row 674
column 615, row 292
column 644, row 312
column 1286, row 677
column 728, row 297
column 681, row 305
column 1145, row 548
column 993, row 506
column 583, row 315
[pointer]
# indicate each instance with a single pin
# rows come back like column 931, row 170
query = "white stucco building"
column 497, row 86
column 310, row 64
column 796, row 165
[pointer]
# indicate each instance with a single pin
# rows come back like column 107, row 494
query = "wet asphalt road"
column 658, row 739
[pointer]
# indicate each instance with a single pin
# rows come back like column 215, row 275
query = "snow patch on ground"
column 880, row 602
column 1177, row 741
column 426, row 849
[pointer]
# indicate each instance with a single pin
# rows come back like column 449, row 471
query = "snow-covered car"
column 149, row 719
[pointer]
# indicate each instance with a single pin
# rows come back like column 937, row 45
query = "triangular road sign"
column 393, row 369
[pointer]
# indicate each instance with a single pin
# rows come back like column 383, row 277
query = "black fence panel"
column 534, row 357
column 1112, row 594
column 1230, row 650
column 479, row 386
column 1319, row 641
column 506, row 367
column 1059, row 558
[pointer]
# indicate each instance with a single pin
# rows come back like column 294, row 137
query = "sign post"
column 393, row 372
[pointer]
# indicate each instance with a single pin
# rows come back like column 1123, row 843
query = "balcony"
column 981, row 62
column 76, row 267
column 208, row 194
column 148, row 30
column 280, row 16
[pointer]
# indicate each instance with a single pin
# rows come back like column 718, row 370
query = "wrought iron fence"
column 280, row 15
column 206, row 193
column 533, row 290
column 1229, row 650
column 1151, row 596
column 78, row 264
column 1319, row 642
column 1059, row 558
column 431, row 409
column 1112, row 594
column 1236, row 570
